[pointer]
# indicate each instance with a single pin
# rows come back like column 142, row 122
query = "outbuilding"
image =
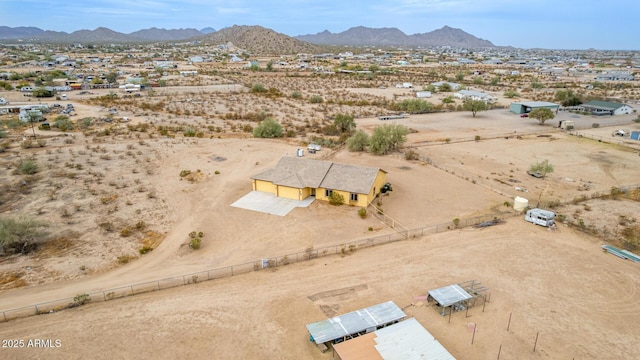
column 526, row 107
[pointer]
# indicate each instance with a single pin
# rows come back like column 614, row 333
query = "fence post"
column 208, row 275
column 104, row 296
column 37, row 311
column 4, row 315
column 158, row 285
column 132, row 290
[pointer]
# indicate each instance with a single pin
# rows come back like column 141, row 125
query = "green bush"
column 28, row 167
column 81, row 299
column 269, row 128
column 21, row 234
column 63, row 123
column 258, row 88
column 413, row 106
column 145, row 249
column 316, row 99
column 296, row 95
column 189, row 132
column 195, row 243
column 362, row 213
column 358, row 142
column 335, row 198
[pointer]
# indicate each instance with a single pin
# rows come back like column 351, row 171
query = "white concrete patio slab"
column 269, row 203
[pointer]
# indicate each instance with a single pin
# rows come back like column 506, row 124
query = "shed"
column 526, row 107
column 452, row 295
column 355, row 323
column 407, row 339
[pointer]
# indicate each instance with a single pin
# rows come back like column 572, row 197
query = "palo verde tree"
column 543, row 168
column 21, row 235
column 344, row 123
column 542, row 115
column 388, row 137
column 358, row 142
column 474, row 106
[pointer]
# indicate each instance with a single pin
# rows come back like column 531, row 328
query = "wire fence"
column 633, row 144
column 234, row 270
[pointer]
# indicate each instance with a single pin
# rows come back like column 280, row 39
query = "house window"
column 353, row 197
column 327, row 192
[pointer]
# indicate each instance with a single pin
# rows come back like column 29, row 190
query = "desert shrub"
column 126, row 232
column 124, row 259
column 296, row 95
column 27, row 167
column 411, row 155
column 81, row 299
column 184, row 173
column 413, row 106
column 258, row 88
column 477, row 138
column 21, row 234
column 269, row 128
column 145, row 249
column 358, row 142
column 63, row 123
column 362, row 213
column 456, row 222
column 543, row 167
column 3, row 134
column 316, row 99
column 193, row 234
column 195, row 243
column 335, row 198
column 595, row 125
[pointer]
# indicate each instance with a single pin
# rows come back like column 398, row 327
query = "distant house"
column 189, row 73
column 615, row 76
column 196, row 59
column 252, row 63
column 454, row 86
column 474, row 95
column 597, row 107
column 298, row 178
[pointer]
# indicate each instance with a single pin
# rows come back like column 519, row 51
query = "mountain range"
column 364, row 36
column 257, row 39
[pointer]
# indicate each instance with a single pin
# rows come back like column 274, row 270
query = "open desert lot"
column 581, row 302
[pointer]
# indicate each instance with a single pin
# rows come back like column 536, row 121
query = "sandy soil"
column 559, row 283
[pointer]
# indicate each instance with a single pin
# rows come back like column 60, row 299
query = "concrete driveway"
column 269, row 203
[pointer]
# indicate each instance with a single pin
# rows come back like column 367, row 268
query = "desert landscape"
column 119, row 193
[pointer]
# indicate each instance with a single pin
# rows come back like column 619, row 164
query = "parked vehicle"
column 524, row 115
column 540, row 217
column 619, row 132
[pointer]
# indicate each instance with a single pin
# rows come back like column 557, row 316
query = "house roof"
column 298, row 172
column 607, row 105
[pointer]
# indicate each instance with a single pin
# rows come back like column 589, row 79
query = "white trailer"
column 540, row 217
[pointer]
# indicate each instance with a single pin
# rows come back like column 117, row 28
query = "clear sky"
column 551, row 24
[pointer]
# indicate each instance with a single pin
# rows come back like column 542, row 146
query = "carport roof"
column 449, row 295
column 537, row 104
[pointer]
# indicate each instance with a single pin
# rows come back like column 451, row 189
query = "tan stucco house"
column 298, row 178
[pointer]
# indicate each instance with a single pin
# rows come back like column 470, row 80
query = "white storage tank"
column 520, row 203
column 300, row 152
